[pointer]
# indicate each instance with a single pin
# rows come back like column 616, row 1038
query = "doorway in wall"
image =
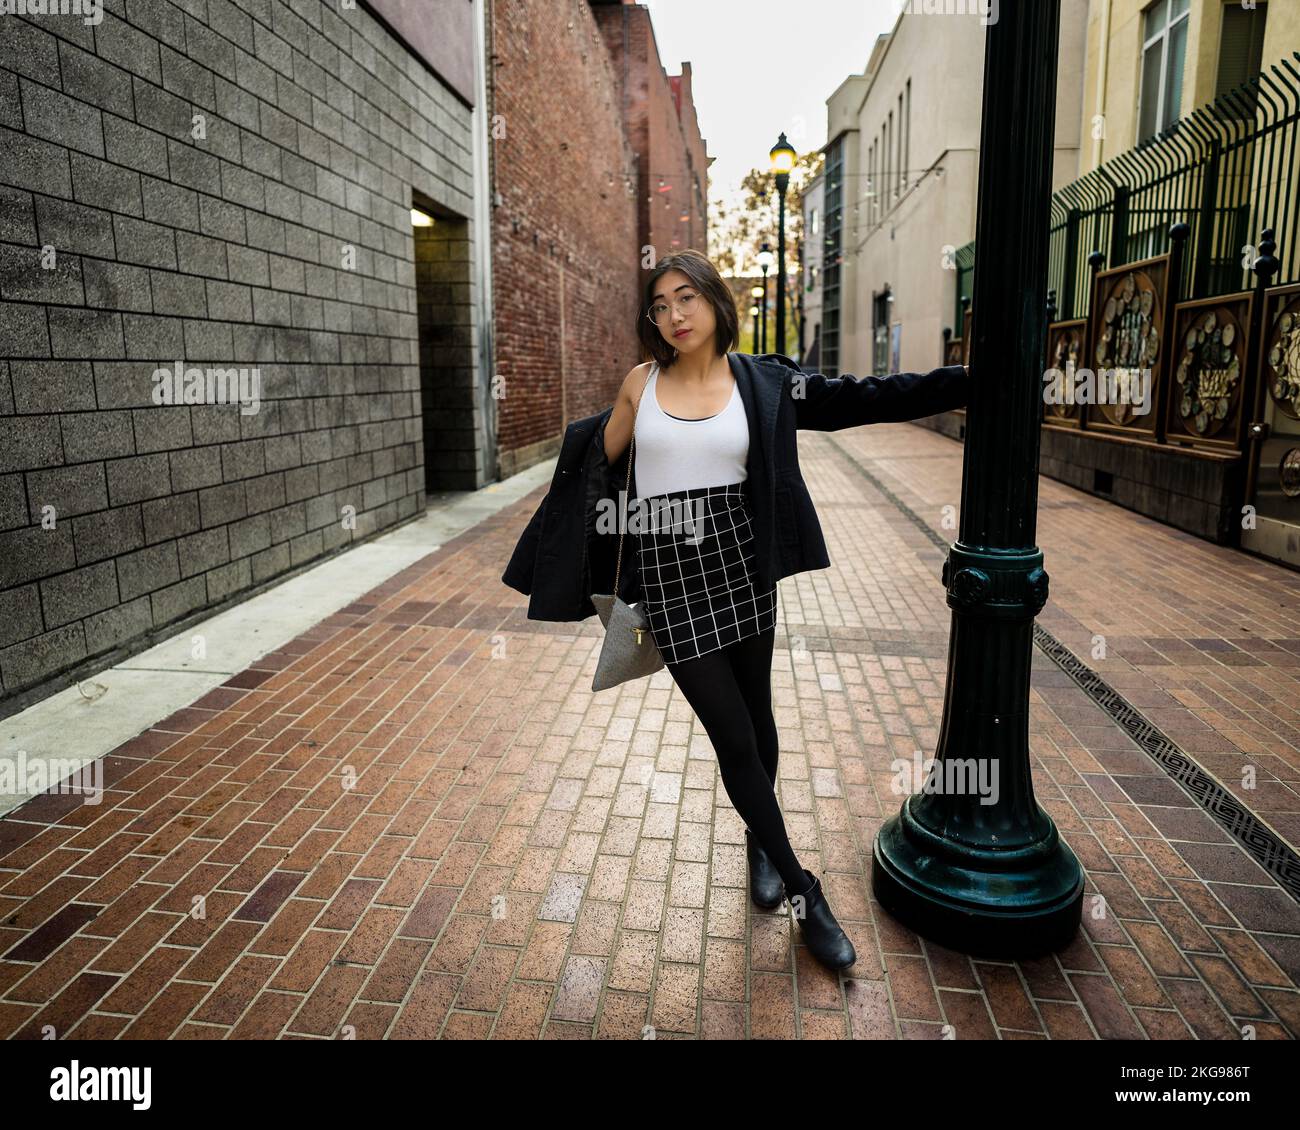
column 880, row 331
column 452, row 414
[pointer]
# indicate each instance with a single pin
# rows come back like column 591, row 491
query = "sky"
column 763, row 66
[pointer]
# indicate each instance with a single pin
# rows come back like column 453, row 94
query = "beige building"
column 901, row 179
column 902, row 162
column 1154, row 63
column 1150, row 64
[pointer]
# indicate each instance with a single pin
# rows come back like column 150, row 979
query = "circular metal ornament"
column 970, row 586
column 1288, row 473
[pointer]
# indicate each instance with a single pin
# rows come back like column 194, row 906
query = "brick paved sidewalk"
column 417, row 820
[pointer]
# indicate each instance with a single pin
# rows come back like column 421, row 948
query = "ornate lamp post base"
column 1020, row 903
column 972, row 860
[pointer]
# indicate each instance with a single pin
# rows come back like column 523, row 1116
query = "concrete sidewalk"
column 416, row 819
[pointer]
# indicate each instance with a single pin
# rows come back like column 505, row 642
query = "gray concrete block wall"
column 118, row 515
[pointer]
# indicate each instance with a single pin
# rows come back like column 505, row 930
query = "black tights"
column 731, row 692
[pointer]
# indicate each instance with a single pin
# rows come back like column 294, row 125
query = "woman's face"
column 682, row 314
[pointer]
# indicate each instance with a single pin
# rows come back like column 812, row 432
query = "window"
column 887, row 183
column 830, row 274
column 1241, row 50
column 872, row 195
column 1164, row 45
column 1148, row 241
column 900, row 181
column 816, row 227
column 880, row 328
column 907, row 136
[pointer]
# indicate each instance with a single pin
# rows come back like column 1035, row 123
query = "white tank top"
column 676, row 454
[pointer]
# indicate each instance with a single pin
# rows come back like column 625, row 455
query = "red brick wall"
column 564, row 228
column 672, row 187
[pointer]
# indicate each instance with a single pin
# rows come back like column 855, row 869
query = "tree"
column 737, row 231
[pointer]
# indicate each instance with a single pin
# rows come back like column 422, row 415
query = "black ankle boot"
column 765, row 886
column 821, row 933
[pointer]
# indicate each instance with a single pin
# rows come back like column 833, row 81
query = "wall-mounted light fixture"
column 420, row 219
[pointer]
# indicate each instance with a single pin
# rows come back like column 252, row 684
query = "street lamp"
column 783, row 158
column 753, row 313
column 981, row 870
column 764, row 261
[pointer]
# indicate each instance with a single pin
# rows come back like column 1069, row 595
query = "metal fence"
column 1228, row 170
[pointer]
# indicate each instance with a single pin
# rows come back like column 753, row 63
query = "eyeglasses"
column 659, row 311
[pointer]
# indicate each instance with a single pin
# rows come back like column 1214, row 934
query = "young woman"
column 713, row 625
column 737, row 522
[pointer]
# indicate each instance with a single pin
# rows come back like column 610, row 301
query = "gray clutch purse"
column 629, row 649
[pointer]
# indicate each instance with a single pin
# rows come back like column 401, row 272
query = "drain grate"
column 1259, row 841
column 1268, row 849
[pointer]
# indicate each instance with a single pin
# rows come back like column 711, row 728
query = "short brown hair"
column 704, row 275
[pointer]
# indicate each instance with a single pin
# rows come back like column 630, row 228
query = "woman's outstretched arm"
column 827, row 404
column 618, row 428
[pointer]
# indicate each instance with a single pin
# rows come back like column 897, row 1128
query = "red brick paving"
column 417, row 821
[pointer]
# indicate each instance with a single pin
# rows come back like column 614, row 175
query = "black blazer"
column 561, row 559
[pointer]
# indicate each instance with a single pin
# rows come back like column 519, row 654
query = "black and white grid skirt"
column 696, row 572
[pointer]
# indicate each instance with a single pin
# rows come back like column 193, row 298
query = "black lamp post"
column 764, row 261
column 753, row 313
column 796, row 304
column 783, row 158
column 995, row 878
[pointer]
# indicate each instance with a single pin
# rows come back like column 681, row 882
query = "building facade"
column 811, row 259
column 271, row 271
column 1173, row 263
column 901, row 181
column 658, row 112
column 601, row 171
column 206, row 188
column 1152, row 63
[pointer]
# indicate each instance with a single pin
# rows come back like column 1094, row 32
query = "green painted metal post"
column 972, row 861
